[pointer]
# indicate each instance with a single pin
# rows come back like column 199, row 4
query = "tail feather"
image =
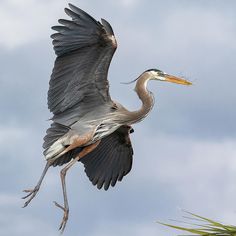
column 53, row 141
column 55, row 150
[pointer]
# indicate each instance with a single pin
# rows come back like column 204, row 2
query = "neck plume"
column 145, row 96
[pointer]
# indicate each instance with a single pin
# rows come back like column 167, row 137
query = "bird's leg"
column 32, row 192
column 63, row 172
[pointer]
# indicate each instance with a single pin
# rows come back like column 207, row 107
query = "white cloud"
column 180, row 29
column 18, row 145
column 201, row 173
column 123, row 228
column 198, row 26
column 7, row 200
column 19, row 224
column 11, row 134
column 15, row 221
column 128, row 3
column 23, row 21
column 197, row 175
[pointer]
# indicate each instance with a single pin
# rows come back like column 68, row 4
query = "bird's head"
column 156, row 74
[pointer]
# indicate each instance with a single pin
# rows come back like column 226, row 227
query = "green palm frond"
column 206, row 227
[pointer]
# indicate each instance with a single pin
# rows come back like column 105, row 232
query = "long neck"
column 145, row 96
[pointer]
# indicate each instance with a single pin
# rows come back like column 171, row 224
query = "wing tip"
column 68, row 11
column 74, row 8
column 70, row 5
column 107, row 27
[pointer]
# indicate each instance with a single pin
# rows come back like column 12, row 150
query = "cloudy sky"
column 185, row 151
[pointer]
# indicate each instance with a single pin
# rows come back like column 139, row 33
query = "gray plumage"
column 79, row 79
column 87, row 126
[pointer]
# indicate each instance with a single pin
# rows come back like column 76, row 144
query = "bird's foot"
column 31, row 193
column 65, row 216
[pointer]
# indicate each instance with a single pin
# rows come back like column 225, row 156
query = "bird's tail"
column 55, row 141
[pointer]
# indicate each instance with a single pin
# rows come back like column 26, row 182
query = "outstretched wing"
column 111, row 160
column 84, row 49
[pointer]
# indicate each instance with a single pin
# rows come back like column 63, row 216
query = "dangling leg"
column 65, row 208
column 33, row 192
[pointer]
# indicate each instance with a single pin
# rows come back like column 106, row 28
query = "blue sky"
column 185, row 150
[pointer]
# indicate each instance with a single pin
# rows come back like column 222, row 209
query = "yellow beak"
column 177, row 80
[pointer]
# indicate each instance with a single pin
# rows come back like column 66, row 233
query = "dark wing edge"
column 84, row 49
column 82, row 31
column 111, row 160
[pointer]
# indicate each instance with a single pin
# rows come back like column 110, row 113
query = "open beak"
column 177, row 80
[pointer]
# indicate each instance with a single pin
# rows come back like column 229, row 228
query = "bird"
column 87, row 126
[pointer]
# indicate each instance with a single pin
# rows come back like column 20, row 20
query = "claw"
column 65, row 216
column 32, row 194
column 58, row 205
column 28, row 190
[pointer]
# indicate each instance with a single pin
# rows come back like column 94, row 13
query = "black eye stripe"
column 155, row 70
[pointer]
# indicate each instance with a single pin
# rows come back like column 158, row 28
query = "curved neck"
column 145, row 96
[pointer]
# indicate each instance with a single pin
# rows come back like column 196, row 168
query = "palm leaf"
column 207, row 227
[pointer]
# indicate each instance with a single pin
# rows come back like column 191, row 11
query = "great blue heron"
column 87, row 125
